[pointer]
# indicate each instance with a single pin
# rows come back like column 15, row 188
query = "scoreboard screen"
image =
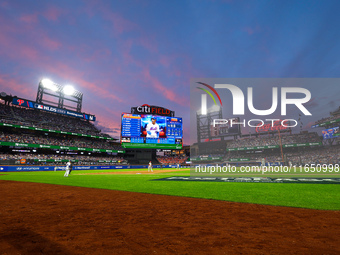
column 331, row 133
column 149, row 131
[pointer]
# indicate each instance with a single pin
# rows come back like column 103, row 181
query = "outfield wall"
column 58, row 168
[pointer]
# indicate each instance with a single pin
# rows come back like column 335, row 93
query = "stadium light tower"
column 68, row 93
column 48, row 84
column 204, row 122
column 68, row 90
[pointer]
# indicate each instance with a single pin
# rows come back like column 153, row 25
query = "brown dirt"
column 52, row 219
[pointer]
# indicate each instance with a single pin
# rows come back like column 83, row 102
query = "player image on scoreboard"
column 153, row 127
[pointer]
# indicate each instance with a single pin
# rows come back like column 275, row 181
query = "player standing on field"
column 152, row 129
column 68, row 168
column 150, row 167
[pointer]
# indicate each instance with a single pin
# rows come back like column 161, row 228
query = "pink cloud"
column 161, row 89
column 15, row 87
column 68, row 73
column 165, row 60
column 4, row 4
column 53, row 13
column 15, row 49
column 148, row 43
column 49, row 43
column 29, row 18
column 119, row 23
column 98, row 54
column 28, row 55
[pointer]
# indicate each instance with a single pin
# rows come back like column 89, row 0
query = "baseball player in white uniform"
column 68, row 168
column 152, row 129
column 150, row 167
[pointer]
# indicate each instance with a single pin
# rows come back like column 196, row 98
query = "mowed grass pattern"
column 314, row 196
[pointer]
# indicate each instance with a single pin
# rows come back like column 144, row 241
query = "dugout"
column 140, row 156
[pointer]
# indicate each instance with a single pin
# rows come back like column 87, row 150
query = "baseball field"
column 139, row 212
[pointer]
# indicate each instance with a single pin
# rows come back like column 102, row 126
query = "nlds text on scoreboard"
column 150, row 129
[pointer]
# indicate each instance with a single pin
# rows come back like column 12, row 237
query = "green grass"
column 295, row 172
column 315, row 196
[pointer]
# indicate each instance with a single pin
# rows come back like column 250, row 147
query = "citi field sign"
column 239, row 99
column 152, row 110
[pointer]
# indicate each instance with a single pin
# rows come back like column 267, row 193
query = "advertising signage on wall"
column 48, row 108
column 54, row 131
column 46, row 146
column 152, row 110
column 274, row 126
column 275, row 146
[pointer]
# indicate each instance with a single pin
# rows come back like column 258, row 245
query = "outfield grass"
column 315, row 196
column 277, row 171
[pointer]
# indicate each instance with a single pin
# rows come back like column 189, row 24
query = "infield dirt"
column 53, row 219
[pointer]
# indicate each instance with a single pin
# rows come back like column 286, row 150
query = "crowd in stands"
column 41, row 119
column 209, row 156
column 275, row 140
column 270, row 156
column 327, row 119
column 82, row 159
column 333, row 116
column 320, row 155
column 169, row 160
column 337, row 116
column 59, row 141
column 324, row 155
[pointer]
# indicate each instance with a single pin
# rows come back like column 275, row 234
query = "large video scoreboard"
column 151, row 131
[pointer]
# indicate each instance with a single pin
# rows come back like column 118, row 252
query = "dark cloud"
column 312, row 103
column 332, row 104
column 105, row 129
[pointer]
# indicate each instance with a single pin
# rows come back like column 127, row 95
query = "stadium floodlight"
column 48, row 84
column 68, row 90
column 52, row 89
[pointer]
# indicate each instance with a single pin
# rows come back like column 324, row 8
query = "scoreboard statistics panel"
column 149, row 131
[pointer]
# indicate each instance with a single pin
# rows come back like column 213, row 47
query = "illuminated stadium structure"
column 33, row 135
column 272, row 144
column 37, row 134
column 62, row 93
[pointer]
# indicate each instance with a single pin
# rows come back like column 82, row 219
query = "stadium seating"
column 171, row 160
column 58, row 159
column 316, row 155
column 35, row 138
column 46, row 120
column 275, row 140
column 39, row 119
